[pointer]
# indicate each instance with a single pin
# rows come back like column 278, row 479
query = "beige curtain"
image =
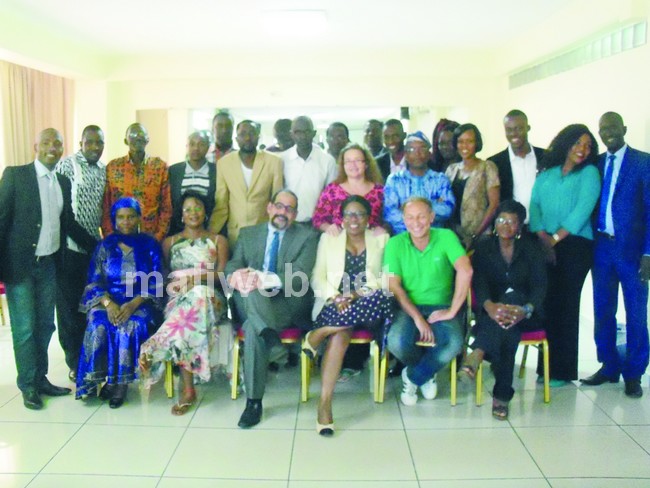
column 32, row 101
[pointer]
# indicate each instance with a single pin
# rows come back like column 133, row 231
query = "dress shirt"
column 396, row 167
column 49, row 191
column 88, row 181
column 197, row 180
column 403, row 185
column 267, row 248
column 619, row 155
column 524, row 172
column 307, row 177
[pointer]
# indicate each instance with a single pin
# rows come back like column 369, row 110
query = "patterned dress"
column 195, row 334
column 372, row 311
column 110, row 352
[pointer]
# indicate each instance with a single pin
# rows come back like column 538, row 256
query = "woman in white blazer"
column 348, row 288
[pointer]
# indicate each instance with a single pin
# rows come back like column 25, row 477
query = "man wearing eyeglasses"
column 417, row 180
column 271, row 289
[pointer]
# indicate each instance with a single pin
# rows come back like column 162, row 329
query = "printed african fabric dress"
column 110, row 352
column 196, row 334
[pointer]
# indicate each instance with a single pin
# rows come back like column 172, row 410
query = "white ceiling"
column 106, row 34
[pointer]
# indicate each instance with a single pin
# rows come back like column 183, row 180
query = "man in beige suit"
column 246, row 181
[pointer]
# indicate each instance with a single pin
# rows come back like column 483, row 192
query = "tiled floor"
column 586, row 437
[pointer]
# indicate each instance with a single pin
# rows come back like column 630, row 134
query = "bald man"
column 142, row 177
column 35, row 218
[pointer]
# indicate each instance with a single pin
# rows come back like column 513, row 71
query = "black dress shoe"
column 598, row 378
column 119, row 395
column 633, row 388
column 32, row 400
column 116, row 402
column 49, row 389
column 106, row 393
column 252, row 414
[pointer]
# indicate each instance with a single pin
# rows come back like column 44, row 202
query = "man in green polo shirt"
column 429, row 275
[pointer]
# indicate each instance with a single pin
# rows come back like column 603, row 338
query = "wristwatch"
column 528, row 310
column 556, row 237
column 105, row 301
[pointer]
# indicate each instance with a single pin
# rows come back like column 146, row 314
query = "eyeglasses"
column 353, row 161
column 287, row 208
column 420, row 150
column 192, row 209
column 356, row 215
column 504, row 221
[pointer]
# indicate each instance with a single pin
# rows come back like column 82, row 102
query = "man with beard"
column 142, row 177
column 246, row 180
column 88, row 177
column 271, row 283
column 195, row 174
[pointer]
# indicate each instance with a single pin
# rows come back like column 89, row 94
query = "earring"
column 518, row 236
column 494, row 231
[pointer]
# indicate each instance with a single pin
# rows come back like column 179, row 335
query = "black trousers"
column 575, row 257
column 500, row 347
column 71, row 282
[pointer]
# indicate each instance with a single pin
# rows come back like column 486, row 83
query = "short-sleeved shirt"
column 427, row 276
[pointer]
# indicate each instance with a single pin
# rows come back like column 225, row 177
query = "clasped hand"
column 118, row 315
column 505, row 315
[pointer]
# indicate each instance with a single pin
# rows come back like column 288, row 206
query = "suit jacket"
column 631, row 204
column 21, row 219
column 240, row 206
column 330, row 266
column 298, row 248
column 383, row 162
column 502, row 160
column 176, row 175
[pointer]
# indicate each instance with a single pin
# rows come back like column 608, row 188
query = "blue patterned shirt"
column 402, row 185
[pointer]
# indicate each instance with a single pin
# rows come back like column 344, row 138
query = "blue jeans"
column 424, row 362
column 31, row 312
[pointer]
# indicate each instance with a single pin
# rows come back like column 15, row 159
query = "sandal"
column 469, row 367
column 499, row 410
column 307, row 347
column 183, row 408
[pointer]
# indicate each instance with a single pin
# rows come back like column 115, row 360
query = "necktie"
column 273, row 253
column 604, row 197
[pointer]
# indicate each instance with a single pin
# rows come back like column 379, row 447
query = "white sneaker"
column 409, row 395
column 429, row 389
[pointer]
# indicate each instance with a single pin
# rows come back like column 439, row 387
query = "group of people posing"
column 390, row 235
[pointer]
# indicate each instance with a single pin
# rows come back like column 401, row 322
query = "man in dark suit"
column 35, row 217
column 520, row 162
column 394, row 158
column 621, row 255
column 195, row 174
column 270, row 271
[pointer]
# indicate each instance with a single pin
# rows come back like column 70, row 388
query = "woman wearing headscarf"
column 124, row 282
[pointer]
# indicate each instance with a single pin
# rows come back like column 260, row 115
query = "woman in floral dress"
column 193, row 335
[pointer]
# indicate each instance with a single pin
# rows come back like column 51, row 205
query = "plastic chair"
column 379, row 366
column 287, row 336
column 534, row 338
